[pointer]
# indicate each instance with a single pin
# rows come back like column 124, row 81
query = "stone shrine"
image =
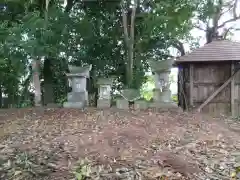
column 128, row 95
column 161, row 92
column 104, row 92
column 77, row 77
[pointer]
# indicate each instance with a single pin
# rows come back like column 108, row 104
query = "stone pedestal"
column 53, row 105
column 128, row 95
column 162, row 94
column 77, row 105
column 122, row 104
column 104, row 92
column 77, row 77
column 163, row 105
column 77, row 96
column 140, row 105
column 103, row 103
column 76, row 100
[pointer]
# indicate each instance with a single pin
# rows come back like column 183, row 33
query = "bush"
column 175, row 98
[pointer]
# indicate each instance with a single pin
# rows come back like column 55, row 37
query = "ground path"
column 47, row 144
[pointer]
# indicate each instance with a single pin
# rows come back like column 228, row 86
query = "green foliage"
column 235, row 174
column 175, row 98
column 206, row 10
column 82, row 170
column 148, row 95
column 88, row 33
column 146, row 89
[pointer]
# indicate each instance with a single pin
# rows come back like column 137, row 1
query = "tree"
column 86, row 32
column 210, row 14
column 163, row 24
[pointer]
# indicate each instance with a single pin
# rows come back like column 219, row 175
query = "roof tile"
column 218, row 50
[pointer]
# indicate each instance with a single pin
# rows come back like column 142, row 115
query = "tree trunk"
column 182, row 102
column 129, row 42
column 36, row 82
column 48, row 93
column 48, row 82
column 92, row 87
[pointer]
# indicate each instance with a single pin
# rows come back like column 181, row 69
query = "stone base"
column 103, row 103
column 53, row 105
column 122, row 104
column 77, row 105
column 164, row 105
column 77, row 96
column 140, row 104
column 161, row 96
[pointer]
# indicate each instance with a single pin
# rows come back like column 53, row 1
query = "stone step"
column 103, row 103
column 77, row 96
column 77, row 105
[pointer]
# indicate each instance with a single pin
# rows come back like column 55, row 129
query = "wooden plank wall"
column 236, row 91
column 186, row 86
column 207, row 78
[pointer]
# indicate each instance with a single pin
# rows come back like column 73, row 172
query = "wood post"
column 217, row 91
column 232, row 92
column 191, row 85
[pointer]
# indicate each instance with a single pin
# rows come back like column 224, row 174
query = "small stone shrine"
column 104, row 92
column 128, row 95
column 161, row 92
column 77, row 77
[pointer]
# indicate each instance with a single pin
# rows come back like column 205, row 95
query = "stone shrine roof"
column 160, row 66
column 105, row 81
column 76, row 71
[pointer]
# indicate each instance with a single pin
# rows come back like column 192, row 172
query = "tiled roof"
column 218, row 50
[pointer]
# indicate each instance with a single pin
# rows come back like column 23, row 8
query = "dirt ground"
column 113, row 144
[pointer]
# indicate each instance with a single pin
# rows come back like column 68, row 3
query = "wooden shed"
column 209, row 78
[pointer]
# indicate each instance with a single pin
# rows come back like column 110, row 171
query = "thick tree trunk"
column 129, row 42
column 48, row 93
column 211, row 34
column 36, row 83
column 181, row 101
column 48, row 96
column 92, row 87
column 181, row 90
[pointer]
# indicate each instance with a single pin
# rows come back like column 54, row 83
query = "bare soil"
column 126, row 145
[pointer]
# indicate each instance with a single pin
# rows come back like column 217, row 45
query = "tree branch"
column 235, row 16
column 229, row 8
column 199, row 27
column 179, row 46
column 235, row 9
column 228, row 21
column 226, row 32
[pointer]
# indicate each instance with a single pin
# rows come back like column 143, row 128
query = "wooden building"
column 209, row 79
